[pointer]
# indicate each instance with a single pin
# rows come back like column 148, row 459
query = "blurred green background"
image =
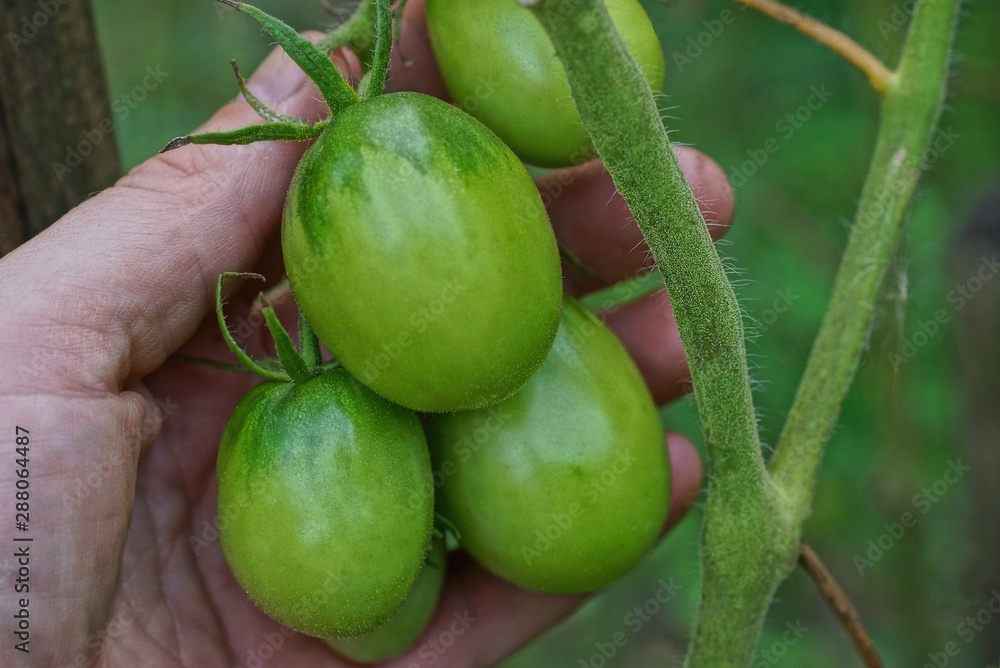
column 730, row 84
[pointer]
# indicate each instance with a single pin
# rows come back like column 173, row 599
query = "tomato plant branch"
column 878, row 74
column 383, row 49
column 910, row 113
column 741, row 570
column 357, row 33
column 841, row 606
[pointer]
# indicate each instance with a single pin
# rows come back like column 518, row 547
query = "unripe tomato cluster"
column 418, row 249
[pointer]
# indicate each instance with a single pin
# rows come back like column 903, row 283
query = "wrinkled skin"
column 127, row 569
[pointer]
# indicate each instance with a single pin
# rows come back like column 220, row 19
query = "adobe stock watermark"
column 460, row 452
column 86, row 484
column 922, row 502
column 123, row 618
column 35, row 22
column 898, row 18
column 696, row 44
column 272, row 641
column 208, row 533
column 966, row 630
column 121, row 107
column 782, row 303
column 786, row 127
column 418, row 322
column 432, row 649
column 632, row 623
column 562, row 521
column 958, row 297
column 773, row 653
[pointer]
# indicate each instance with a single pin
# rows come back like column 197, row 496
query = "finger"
column 648, row 331
column 413, row 66
column 138, row 263
column 593, row 222
column 482, row 619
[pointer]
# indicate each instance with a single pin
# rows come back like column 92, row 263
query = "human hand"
column 125, row 565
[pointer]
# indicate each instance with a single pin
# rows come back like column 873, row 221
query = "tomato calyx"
column 291, row 365
column 372, row 17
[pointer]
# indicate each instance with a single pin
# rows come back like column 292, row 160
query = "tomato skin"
column 500, row 66
column 327, row 501
column 403, row 628
column 419, row 249
column 564, row 486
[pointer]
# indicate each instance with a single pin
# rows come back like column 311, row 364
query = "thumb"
column 137, row 264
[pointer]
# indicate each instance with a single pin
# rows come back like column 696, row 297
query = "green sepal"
column 311, row 58
column 252, row 133
column 309, row 344
column 262, row 109
column 290, row 358
column 267, row 374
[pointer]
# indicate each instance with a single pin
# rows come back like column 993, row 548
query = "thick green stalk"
column 748, row 545
column 911, row 109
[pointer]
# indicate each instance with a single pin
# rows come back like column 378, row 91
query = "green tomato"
column 325, row 503
column 395, row 636
column 419, row 249
column 565, row 485
column 500, row 66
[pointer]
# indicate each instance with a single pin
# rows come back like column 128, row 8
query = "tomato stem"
column 383, row 49
column 621, row 115
column 753, row 518
column 911, row 109
column 356, row 33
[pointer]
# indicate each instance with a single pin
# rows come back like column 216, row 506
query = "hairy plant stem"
column 910, row 113
column 741, row 568
column 752, row 525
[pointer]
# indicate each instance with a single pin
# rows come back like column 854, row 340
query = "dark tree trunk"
column 57, row 142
